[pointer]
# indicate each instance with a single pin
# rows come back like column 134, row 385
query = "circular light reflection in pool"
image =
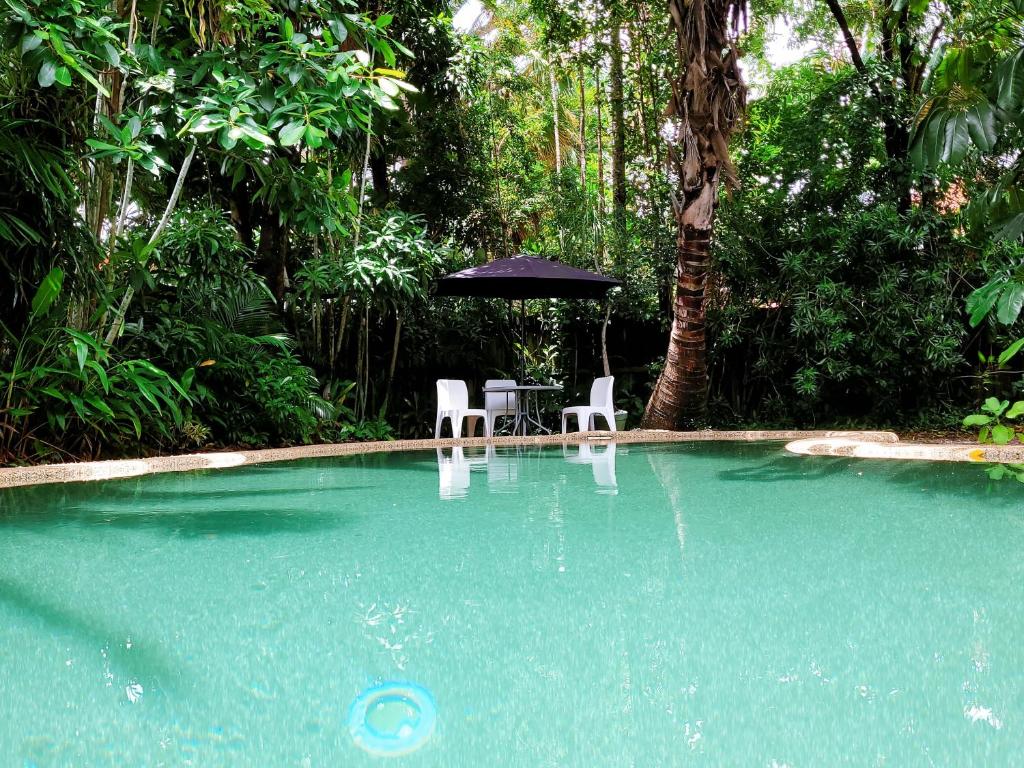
column 392, row 719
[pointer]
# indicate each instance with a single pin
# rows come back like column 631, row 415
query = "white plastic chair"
column 600, row 405
column 453, row 404
column 499, row 403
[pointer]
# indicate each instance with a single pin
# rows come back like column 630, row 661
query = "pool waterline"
column 90, row 471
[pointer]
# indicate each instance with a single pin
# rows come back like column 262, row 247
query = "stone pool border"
column 855, row 447
column 119, row 468
column 845, row 443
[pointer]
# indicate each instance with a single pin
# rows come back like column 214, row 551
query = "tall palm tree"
column 706, row 106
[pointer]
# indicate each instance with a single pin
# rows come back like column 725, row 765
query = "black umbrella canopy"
column 526, row 277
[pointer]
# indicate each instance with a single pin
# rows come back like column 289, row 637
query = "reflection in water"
column 602, row 463
column 453, row 472
column 454, row 467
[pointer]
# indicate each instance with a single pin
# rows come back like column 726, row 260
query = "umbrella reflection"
column 455, row 466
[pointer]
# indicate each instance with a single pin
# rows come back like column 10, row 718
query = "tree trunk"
column 379, row 175
column 682, row 388
column 707, row 102
column 583, row 129
column 272, row 254
column 554, row 117
column 618, row 131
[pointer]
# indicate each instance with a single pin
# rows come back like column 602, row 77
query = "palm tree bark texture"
column 706, row 107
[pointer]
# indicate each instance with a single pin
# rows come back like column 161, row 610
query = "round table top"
column 524, row 387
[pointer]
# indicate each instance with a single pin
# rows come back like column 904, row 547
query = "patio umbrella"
column 525, row 277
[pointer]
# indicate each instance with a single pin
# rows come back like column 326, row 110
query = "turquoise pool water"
column 699, row 604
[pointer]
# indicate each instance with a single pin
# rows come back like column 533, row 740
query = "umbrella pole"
column 522, row 341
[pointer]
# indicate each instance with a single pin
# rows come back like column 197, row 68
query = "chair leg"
column 609, row 416
column 437, row 426
column 563, row 423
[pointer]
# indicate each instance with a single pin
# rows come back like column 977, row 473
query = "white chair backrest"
column 452, row 395
column 601, row 392
column 500, row 401
column 442, row 395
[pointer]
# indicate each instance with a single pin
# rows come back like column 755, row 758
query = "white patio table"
column 524, row 394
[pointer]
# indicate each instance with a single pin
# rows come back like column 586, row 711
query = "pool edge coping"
column 91, row 471
column 855, row 448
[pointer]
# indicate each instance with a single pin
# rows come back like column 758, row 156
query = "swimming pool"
column 692, row 604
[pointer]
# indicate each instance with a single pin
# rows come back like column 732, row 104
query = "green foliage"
column 975, row 105
column 993, row 421
column 68, row 392
column 836, row 305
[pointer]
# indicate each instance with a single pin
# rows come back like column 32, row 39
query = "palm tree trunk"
column 708, row 98
column 682, row 388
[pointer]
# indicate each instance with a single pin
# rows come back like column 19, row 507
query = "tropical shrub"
column 69, row 394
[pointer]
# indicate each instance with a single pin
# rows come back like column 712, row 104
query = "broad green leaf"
column 956, row 140
column 63, row 76
column 292, row 133
column 1001, row 434
column 30, row 42
column 977, row 420
column 981, row 123
column 1015, row 410
column 113, row 57
column 994, row 405
column 206, row 124
column 1009, row 81
column 339, row 31
column 386, row 51
column 383, row 99
column 981, row 301
column 47, row 292
column 1010, row 303
column 47, row 73
column 1010, row 228
column 1008, row 354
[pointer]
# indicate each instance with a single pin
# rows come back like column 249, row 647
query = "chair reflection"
column 454, row 467
column 453, row 472
column 602, row 464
